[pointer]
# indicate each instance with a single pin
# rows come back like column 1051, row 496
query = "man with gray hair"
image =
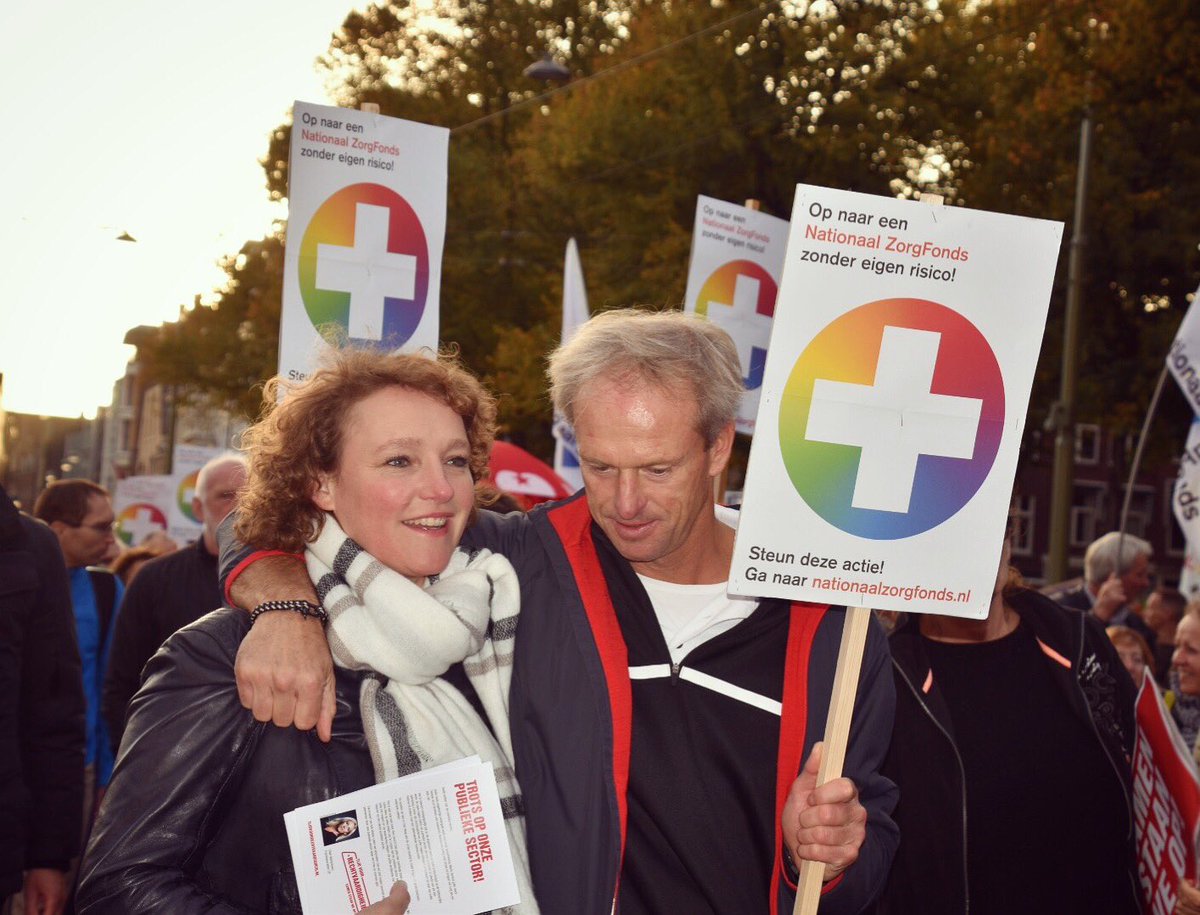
column 665, row 733
column 1116, row 572
column 170, row 591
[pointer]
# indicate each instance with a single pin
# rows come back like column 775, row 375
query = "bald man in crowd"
column 171, row 591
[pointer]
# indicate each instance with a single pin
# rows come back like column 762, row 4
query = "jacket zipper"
column 962, row 780
column 1104, row 745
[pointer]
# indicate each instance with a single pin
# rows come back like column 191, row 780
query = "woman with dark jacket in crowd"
column 1010, row 750
column 369, row 468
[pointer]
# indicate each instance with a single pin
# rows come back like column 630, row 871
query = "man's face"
column 217, row 498
column 87, row 543
column 1137, row 578
column 647, row 473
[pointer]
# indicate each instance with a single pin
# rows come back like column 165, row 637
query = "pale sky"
column 140, row 117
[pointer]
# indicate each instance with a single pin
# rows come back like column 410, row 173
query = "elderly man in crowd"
column 1116, row 573
column 664, row 732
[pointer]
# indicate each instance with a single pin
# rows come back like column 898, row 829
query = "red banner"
column 1166, row 803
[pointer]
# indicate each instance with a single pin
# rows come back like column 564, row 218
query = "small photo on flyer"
column 339, row 827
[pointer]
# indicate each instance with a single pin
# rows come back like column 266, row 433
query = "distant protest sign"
column 185, row 465
column 142, row 506
column 1166, row 804
column 366, row 226
column 894, row 398
column 733, row 280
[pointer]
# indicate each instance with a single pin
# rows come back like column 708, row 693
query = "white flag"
column 574, row 315
column 1183, row 359
column 1185, row 501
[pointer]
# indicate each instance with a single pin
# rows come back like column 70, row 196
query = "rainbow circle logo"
column 183, row 496
column 331, row 234
column 722, row 286
column 138, row 521
column 963, row 372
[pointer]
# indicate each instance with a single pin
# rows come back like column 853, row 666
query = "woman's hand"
column 395, row 904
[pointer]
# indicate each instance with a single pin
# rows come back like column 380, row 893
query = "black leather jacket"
column 193, row 818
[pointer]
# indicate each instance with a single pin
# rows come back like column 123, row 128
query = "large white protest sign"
column 894, row 398
column 366, row 225
column 733, row 279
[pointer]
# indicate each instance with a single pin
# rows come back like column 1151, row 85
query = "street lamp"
column 548, row 70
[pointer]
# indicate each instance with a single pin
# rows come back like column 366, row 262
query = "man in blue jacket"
column 663, row 731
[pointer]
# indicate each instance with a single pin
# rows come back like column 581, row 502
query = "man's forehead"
column 637, row 396
column 636, row 428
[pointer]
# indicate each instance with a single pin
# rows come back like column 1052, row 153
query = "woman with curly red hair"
column 369, row 468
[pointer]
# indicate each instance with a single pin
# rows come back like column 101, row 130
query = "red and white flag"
column 1166, row 803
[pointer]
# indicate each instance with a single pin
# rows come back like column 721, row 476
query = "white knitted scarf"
column 408, row 636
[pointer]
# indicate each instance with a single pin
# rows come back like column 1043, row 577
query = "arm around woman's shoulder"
column 185, row 743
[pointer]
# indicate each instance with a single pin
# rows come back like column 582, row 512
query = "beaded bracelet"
column 303, row 607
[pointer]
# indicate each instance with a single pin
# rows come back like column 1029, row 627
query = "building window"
column 1087, row 512
column 1141, row 512
column 1024, row 518
column 1087, row 443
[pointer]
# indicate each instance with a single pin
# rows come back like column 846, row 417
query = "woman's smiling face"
column 403, row 488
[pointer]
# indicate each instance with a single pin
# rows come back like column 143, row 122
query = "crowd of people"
column 656, row 742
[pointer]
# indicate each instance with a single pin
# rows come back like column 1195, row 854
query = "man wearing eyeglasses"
column 81, row 514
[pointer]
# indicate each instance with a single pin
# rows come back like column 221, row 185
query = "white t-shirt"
column 690, row 615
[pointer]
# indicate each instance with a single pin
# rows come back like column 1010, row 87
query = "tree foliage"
column 979, row 101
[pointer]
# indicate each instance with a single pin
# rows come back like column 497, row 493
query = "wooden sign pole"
column 837, row 736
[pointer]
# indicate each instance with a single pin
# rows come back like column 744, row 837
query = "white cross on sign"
column 368, row 271
column 894, row 421
column 140, row 526
column 741, row 319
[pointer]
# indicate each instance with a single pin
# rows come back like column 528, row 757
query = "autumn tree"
column 977, row 101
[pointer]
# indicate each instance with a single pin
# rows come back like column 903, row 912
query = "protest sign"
column 894, row 396
column 440, row 830
column 1166, row 803
column 737, row 259
column 186, row 462
column 142, row 506
column 366, row 225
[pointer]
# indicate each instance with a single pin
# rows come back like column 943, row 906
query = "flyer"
column 894, row 397
column 441, row 831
